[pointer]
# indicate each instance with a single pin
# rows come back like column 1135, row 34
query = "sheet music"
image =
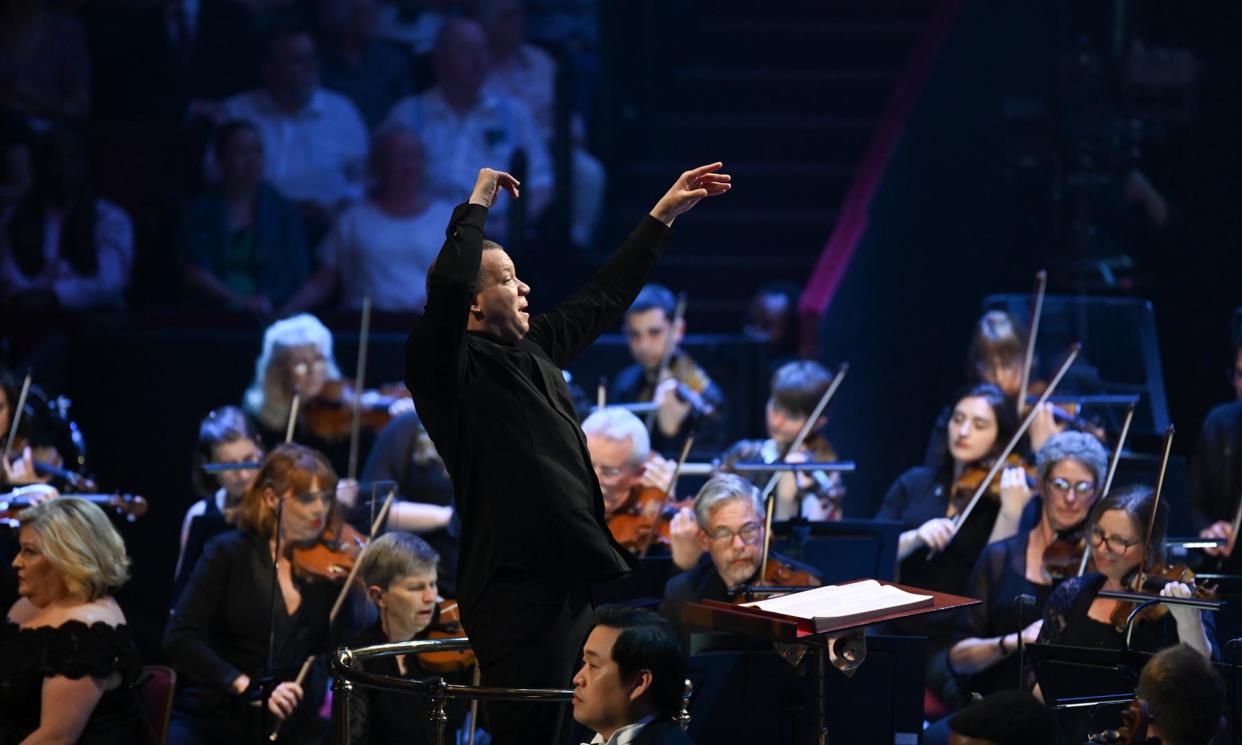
column 835, row 604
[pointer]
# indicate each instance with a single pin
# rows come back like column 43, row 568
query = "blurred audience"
column 372, row 73
column 243, row 245
column 45, row 70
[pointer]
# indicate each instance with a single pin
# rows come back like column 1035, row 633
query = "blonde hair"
column 81, row 545
column 288, row 468
column 267, row 398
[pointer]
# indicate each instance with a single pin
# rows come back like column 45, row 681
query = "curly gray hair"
column 1080, row 446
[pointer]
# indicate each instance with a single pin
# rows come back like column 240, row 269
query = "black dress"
column 73, row 650
column 998, row 579
column 221, row 627
column 203, row 528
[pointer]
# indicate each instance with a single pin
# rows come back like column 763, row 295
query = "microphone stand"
column 1023, row 602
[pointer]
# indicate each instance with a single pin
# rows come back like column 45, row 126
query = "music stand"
column 844, row 550
column 795, row 638
column 1085, row 686
column 640, row 588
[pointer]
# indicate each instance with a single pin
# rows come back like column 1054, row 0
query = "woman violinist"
column 1070, row 470
column 230, row 626
column 796, row 388
column 399, row 571
column 1074, row 615
column 925, row 501
column 227, row 437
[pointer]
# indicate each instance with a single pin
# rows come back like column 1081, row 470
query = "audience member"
column 45, row 70
column 372, row 73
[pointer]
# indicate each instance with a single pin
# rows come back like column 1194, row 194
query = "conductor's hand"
column 936, row 533
column 489, row 184
column 689, row 188
column 284, row 699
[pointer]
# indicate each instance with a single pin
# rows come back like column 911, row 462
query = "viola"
column 446, row 624
column 330, row 414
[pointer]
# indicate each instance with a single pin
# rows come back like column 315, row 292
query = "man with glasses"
column 730, row 520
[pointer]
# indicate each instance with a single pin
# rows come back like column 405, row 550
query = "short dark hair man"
column 632, row 680
column 1185, row 697
column 486, row 378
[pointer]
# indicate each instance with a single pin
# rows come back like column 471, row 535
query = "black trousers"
column 528, row 632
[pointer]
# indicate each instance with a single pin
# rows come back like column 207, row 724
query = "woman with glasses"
column 1070, row 470
column 1075, row 615
column 231, row 628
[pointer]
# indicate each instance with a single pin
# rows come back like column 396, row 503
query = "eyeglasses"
column 1063, row 485
column 609, row 471
column 310, row 497
column 1115, row 544
column 749, row 534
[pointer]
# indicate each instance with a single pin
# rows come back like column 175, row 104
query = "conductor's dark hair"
column 654, row 296
column 1009, row 717
column 648, row 642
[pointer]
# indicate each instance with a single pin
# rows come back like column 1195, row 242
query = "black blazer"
column 662, row 732
column 504, row 423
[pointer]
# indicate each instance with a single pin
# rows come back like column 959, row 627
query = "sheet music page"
column 868, row 597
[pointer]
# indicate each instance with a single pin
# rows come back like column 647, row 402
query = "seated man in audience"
column 528, row 73
column 382, row 248
column 687, row 396
column 371, row 72
column 463, row 124
column 730, row 520
column 314, row 140
column 1185, row 697
column 626, row 466
column 796, row 390
column 1004, row 718
column 632, row 680
column 243, row 244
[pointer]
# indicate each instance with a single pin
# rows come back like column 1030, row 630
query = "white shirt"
column 114, row 246
column 385, row 257
column 625, row 735
column 529, row 75
column 317, row 154
column 487, row 135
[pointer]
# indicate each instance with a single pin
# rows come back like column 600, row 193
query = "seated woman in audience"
column 926, row 500
column 69, row 661
column 399, row 571
column 243, row 245
column 225, row 436
column 247, row 613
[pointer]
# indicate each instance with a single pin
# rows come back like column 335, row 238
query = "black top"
column 703, row 582
column 203, row 528
column 661, row 732
column 73, row 650
column 503, row 421
column 919, row 495
column 1066, row 621
column 998, row 578
column 220, row 625
column 403, row 453
column 634, row 385
column 1216, row 469
column 389, row 718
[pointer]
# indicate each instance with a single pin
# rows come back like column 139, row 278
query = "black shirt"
column 635, row 385
column 503, row 420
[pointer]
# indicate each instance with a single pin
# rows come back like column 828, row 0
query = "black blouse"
column 998, row 579
column 72, row 650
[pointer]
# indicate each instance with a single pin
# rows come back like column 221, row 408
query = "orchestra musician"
column 730, row 520
column 1185, row 697
column 650, row 327
column 69, row 660
column 230, row 627
column 796, row 389
column 487, row 382
column 926, row 500
column 399, row 572
column 625, row 466
column 225, row 436
column 632, row 680
column 1216, row 471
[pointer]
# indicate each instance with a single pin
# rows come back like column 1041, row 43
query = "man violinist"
column 686, row 395
column 730, row 520
column 628, row 470
column 486, row 379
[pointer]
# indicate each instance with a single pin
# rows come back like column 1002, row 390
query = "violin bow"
column 17, row 417
column 960, row 519
column 1041, row 286
column 668, row 490
column 294, row 403
column 765, row 497
column 666, row 359
column 601, row 395
column 340, row 597
column 355, row 424
column 1108, row 481
column 1155, row 502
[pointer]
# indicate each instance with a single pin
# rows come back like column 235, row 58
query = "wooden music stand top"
column 777, row 627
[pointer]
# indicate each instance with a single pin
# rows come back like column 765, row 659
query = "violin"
column 1152, row 582
column 333, row 555
column 776, row 573
column 446, row 624
column 973, row 476
column 330, row 414
column 130, row 506
column 644, row 511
